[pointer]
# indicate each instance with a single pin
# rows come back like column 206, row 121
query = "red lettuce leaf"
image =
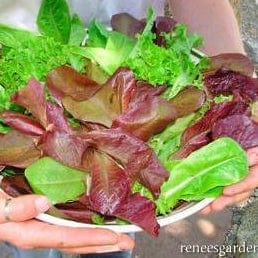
column 22, row 123
column 32, row 98
column 136, row 157
column 65, row 81
column 199, row 133
column 232, row 61
column 228, row 82
column 15, row 185
column 56, row 118
column 163, row 24
column 110, row 194
column 144, row 112
column 239, row 127
column 127, row 24
column 188, row 101
column 192, row 144
column 76, row 211
column 18, row 150
column 65, row 148
column 102, row 107
column 215, row 113
column 140, row 211
column 110, row 184
column 144, row 119
column 124, row 85
column 48, row 114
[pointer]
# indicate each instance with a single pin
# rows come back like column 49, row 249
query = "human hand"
column 240, row 191
column 18, row 227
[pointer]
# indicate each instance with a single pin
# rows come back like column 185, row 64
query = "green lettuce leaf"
column 12, row 37
column 168, row 141
column 171, row 65
column 54, row 20
column 58, row 182
column 118, row 47
column 98, row 34
column 203, row 173
column 78, row 31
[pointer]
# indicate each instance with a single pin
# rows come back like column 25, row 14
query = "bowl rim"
column 174, row 216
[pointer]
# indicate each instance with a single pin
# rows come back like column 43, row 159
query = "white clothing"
column 23, row 13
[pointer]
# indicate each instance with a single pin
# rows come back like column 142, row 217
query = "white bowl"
column 176, row 215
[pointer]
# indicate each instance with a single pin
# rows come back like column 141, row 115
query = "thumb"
column 23, row 207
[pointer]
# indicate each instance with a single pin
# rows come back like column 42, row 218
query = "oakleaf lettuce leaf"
column 220, row 163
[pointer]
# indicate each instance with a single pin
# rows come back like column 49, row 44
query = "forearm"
column 214, row 20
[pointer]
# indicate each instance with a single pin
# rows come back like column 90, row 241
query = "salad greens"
column 123, row 133
column 168, row 141
column 60, row 183
column 203, row 173
column 171, row 65
column 29, row 54
column 54, row 20
column 33, row 58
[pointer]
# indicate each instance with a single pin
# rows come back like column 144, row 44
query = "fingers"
column 248, row 184
column 252, row 155
column 92, row 249
column 102, row 249
column 22, row 208
column 35, row 234
column 224, row 201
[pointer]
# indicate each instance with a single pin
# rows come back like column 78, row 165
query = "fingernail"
column 107, row 249
column 43, row 204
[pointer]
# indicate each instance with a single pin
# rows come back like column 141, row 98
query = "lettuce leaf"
column 171, row 65
column 203, row 173
column 54, row 20
column 58, row 182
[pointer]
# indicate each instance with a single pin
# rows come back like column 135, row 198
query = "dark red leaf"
column 15, row 185
column 65, row 148
column 239, row 127
column 140, row 211
column 110, row 194
column 49, row 115
column 127, row 24
column 144, row 91
column 144, row 112
column 22, row 123
column 144, row 119
column 32, row 97
column 137, row 158
column 215, row 113
column 193, row 144
column 76, row 211
column 56, row 118
column 18, row 150
column 110, row 184
column 65, row 81
column 163, row 24
column 124, row 85
column 227, row 82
